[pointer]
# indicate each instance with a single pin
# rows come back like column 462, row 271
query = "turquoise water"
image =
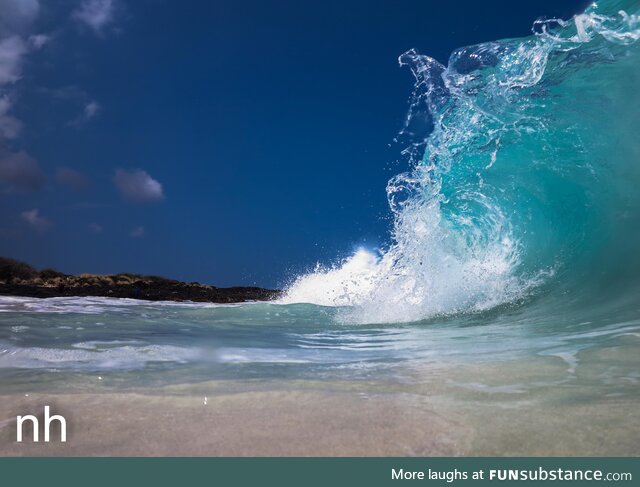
column 515, row 241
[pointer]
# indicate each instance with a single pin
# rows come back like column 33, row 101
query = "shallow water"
column 227, row 378
column 58, row 342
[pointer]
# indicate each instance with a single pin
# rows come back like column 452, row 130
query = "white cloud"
column 35, row 220
column 138, row 186
column 10, row 126
column 12, row 50
column 91, row 109
column 96, row 14
column 38, row 41
column 17, row 15
column 20, row 171
column 137, row 232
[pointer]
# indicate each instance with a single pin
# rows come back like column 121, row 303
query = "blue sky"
column 228, row 142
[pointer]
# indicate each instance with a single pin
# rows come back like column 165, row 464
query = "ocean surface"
column 514, row 267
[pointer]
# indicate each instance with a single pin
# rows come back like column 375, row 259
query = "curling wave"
column 525, row 165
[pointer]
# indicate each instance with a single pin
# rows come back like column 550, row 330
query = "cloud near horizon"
column 138, row 186
column 35, row 220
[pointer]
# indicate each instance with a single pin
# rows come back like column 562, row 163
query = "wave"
column 524, row 167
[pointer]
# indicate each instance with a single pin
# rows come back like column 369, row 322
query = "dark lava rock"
column 20, row 279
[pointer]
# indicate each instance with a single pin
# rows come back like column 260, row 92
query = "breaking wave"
column 524, row 167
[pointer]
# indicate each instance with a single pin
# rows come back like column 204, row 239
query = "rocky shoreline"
column 20, row 279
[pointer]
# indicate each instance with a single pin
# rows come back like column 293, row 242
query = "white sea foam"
column 430, row 271
column 343, row 285
column 115, row 357
column 258, row 355
column 90, row 305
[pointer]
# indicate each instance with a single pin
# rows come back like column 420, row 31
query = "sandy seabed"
column 252, row 423
column 320, row 418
